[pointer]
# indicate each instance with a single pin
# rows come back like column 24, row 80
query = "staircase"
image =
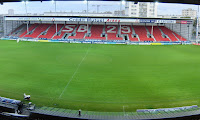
column 149, row 34
column 59, row 32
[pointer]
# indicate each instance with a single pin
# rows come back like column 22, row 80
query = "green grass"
column 100, row 77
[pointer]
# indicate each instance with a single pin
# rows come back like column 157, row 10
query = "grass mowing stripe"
column 110, row 77
column 75, row 72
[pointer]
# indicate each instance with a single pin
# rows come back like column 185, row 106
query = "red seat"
column 66, row 29
column 111, row 31
column 31, row 27
column 80, row 32
column 169, row 33
column 51, row 31
column 157, row 33
column 180, row 37
column 96, row 31
column 38, row 30
column 142, row 33
column 126, row 29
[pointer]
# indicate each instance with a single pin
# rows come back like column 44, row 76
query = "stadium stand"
column 96, row 32
column 157, row 33
column 17, row 30
column 179, row 37
column 81, row 30
column 128, row 30
column 169, row 33
column 132, row 33
column 40, row 28
column 49, row 32
column 21, row 29
column 142, row 33
column 112, row 32
column 32, row 26
column 59, row 34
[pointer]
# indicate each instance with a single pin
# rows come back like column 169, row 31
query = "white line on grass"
column 75, row 72
column 124, row 110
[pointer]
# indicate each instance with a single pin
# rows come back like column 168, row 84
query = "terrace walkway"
column 49, row 112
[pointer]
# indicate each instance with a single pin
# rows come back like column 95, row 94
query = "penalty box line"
column 75, row 72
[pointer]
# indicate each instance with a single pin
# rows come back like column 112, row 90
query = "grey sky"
column 173, row 9
column 38, row 7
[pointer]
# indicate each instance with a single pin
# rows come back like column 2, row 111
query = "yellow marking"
column 43, row 41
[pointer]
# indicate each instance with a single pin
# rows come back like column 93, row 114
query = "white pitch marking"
column 124, row 110
column 74, row 72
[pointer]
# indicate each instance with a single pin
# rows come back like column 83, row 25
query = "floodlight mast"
column 197, row 28
column 120, row 12
column 55, row 6
column 54, row 2
column 121, row 2
column 25, row 2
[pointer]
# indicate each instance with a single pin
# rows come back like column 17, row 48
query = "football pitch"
column 98, row 77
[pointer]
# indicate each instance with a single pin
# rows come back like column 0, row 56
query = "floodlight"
column 156, row 3
column 123, row 2
column 25, row 2
column 85, row 1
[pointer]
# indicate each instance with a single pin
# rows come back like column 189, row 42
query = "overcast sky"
column 78, row 6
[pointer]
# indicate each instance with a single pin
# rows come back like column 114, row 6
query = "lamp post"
column 25, row 4
column 54, row 2
column 26, row 7
column 86, row 1
column 197, row 28
column 188, row 31
column 55, row 6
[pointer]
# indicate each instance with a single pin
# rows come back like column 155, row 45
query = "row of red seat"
column 157, row 33
column 65, row 29
column 172, row 35
column 51, row 31
column 31, row 27
column 112, row 32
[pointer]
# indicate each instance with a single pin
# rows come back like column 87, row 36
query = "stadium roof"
column 164, row 1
